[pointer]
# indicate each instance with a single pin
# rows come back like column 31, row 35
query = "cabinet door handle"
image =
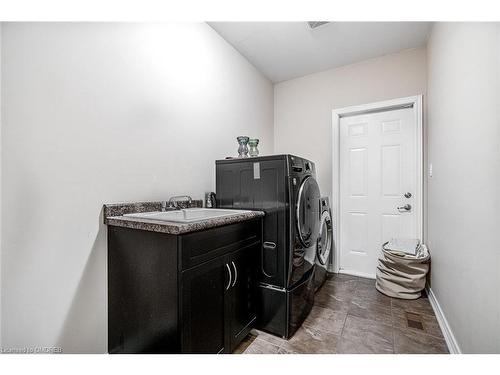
column 235, row 273
column 229, row 271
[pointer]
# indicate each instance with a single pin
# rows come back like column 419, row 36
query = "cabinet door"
column 204, row 308
column 235, row 185
column 244, row 266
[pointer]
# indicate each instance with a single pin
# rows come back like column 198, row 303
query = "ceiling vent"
column 315, row 24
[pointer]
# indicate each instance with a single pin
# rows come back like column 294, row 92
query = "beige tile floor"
column 351, row 316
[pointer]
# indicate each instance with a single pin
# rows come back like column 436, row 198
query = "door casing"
column 414, row 102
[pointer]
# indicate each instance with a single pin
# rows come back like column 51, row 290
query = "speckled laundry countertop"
column 114, row 215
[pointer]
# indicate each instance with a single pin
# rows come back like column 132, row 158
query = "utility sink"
column 188, row 215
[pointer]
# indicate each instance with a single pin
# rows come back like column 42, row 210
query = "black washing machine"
column 325, row 244
column 285, row 188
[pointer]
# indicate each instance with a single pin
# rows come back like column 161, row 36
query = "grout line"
column 348, row 308
column 343, row 326
column 282, row 343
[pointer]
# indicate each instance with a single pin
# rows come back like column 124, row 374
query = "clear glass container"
column 243, row 148
column 253, row 151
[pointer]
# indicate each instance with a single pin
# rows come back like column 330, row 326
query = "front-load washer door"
column 307, row 214
column 325, row 239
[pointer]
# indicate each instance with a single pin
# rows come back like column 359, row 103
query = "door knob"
column 408, row 195
column 405, row 208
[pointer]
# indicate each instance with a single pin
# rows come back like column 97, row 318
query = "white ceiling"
column 286, row 50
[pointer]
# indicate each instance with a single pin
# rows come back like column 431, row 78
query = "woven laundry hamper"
column 400, row 275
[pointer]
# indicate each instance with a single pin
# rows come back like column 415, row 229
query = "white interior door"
column 378, row 177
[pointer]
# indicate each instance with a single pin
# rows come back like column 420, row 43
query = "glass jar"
column 243, row 148
column 253, row 143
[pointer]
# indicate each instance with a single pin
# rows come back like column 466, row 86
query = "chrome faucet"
column 172, row 201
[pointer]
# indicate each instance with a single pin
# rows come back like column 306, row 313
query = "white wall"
column 96, row 113
column 463, row 202
column 303, row 106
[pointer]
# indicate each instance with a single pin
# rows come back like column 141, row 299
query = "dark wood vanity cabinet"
column 191, row 293
column 217, row 302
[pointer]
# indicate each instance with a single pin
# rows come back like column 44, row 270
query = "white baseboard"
column 356, row 273
column 449, row 337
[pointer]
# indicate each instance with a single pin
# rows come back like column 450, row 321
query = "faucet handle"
column 172, row 202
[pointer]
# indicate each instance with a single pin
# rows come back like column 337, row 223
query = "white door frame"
column 412, row 101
